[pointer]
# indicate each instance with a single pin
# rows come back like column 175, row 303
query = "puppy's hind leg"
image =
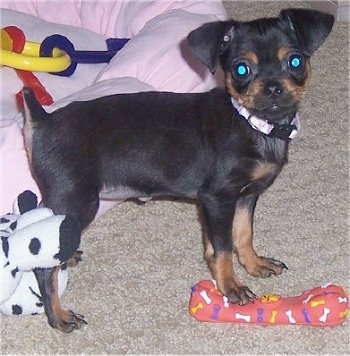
column 84, row 209
column 58, row 318
column 65, row 188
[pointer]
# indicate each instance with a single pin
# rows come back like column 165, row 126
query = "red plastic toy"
column 17, row 40
column 322, row 306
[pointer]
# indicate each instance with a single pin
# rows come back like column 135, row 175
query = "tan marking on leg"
column 263, row 169
column 221, row 267
column 56, row 304
column 68, row 320
column 208, row 250
column 242, row 234
column 224, row 273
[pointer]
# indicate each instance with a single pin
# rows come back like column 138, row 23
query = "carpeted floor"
column 141, row 261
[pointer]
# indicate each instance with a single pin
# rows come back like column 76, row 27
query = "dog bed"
column 155, row 58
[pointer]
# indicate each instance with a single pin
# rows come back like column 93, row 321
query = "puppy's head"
column 266, row 61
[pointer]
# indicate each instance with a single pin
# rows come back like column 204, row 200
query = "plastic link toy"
column 321, row 306
column 56, row 55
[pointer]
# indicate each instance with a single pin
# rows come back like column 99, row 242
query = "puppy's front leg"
column 219, row 214
column 242, row 235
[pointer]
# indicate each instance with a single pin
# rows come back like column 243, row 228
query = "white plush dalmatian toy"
column 33, row 237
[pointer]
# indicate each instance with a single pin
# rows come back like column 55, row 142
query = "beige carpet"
column 141, row 261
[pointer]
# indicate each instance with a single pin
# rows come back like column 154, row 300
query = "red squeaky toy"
column 322, row 306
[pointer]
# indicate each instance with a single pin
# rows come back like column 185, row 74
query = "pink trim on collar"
column 262, row 125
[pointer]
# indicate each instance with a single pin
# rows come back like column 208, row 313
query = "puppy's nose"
column 273, row 88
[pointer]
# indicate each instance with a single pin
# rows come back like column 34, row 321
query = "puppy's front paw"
column 241, row 295
column 265, row 267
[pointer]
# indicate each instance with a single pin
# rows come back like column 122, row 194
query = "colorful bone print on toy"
column 322, row 306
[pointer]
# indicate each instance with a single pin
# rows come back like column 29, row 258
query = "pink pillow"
column 159, row 55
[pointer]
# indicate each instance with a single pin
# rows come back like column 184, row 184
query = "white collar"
column 265, row 126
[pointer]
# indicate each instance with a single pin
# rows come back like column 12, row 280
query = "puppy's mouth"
column 274, row 111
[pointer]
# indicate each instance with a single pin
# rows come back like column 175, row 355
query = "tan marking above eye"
column 251, row 57
column 282, row 53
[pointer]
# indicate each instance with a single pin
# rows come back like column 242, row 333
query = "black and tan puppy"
column 222, row 148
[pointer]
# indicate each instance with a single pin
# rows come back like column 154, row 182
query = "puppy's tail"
column 33, row 111
column 34, row 116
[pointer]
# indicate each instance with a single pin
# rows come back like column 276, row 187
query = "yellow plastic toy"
column 29, row 59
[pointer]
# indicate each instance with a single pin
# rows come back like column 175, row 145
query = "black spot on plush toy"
column 32, row 238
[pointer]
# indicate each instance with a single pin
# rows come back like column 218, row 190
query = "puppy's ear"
column 311, row 27
column 211, row 40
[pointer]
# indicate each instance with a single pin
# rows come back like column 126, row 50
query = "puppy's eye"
column 295, row 61
column 242, row 70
